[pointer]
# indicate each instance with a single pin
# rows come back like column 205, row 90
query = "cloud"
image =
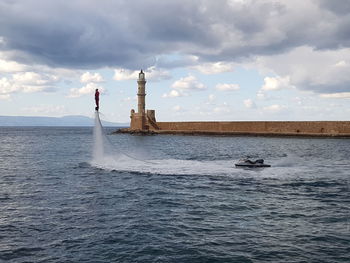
column 341, row 63
column 208, row 37
column 183, row 85
column 177, row 108
column 321, row 71
column 33, row 78
column 276, row 83
column 89, row 88
column 337, row 7
column 87, row 34
column 275, row 108
column 188, row 83
column 128, row 99
column 221, row 109
column 8, row 67
column 215, row 68
column 171, row 61
column 151, row 73
column 5, row 97
column 174, row 93
column 6, row 87
column 248, row 103
column 341, row 95
column 227, row 87
column 11, row 66
column 27, row 82
column 261, row 95
column 125, row 74
column 155, row 74
column 91, row 77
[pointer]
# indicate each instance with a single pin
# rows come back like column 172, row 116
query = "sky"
column 204, row 60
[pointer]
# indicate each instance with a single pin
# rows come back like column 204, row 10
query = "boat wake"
column 107, row 157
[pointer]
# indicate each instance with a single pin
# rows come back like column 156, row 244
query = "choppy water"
column 171, row 198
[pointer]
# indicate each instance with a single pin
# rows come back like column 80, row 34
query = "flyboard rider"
column 97, row 99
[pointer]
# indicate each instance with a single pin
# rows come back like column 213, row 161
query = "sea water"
column 86, row 195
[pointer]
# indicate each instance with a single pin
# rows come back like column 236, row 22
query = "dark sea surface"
column 171, row 198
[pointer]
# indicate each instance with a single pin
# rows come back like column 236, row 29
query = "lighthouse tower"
column 141, row 93
column 142, row 120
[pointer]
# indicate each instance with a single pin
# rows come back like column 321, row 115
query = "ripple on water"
column 189, row 205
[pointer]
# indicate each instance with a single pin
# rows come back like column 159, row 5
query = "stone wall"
column 314, row 128
column 138, row 121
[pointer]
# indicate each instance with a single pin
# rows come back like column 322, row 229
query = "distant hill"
column 54, row 121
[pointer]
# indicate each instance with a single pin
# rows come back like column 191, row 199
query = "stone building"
column 142, row 120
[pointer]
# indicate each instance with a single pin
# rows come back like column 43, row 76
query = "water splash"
column 104, row 152
column 98, row 149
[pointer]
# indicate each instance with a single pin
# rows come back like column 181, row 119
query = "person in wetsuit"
column 97, row 99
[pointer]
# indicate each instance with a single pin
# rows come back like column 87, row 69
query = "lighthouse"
column 141, row 93
column 142, row 120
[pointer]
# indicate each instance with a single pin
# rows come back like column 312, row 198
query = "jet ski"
column 251, row 164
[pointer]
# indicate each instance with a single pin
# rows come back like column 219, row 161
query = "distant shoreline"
column 65, row 121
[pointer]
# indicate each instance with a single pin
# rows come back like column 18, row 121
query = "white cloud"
column 11, row 66
column 91, row 77
column 341, row 63
column 125, row 74
column 182, row 85
column 155, row 74
column 5, row 97
column 151, row 73
column 261, row 95
column 227, row 87
column 224, row 108
column 174, row 93
column 33, row 78
column 188, row 83
column 215, row 68
column 248, row 103
column 297, row 100
column 129, row 99
column 211, row 97
column 274, row 108
column 340, row 95
column 276, row 83
column 6, row 87
column 321, row 71
column 30, row 78
column 87, row 89
column 26, row 82
column 177, row 108
column 32, row 89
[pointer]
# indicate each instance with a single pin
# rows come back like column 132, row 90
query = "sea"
column 84, row 194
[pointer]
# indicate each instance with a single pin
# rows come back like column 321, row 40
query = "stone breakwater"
column 265, row 128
